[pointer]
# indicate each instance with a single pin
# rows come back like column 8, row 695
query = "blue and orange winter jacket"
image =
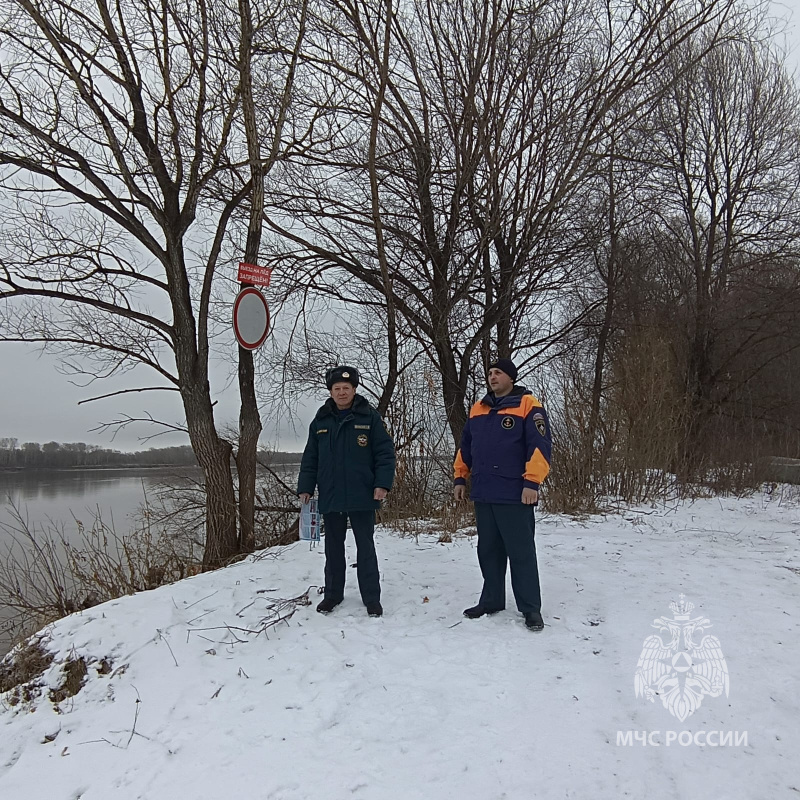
column 505, row 446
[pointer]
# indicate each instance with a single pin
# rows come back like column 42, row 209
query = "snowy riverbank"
column 423, row 703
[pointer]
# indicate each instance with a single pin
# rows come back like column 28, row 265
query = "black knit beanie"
column 506, row 365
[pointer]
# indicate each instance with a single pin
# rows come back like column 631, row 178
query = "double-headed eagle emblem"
column 681, row 671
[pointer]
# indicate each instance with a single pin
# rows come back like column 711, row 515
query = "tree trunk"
column 608, row 316
column 221, row 538
column 249, row 418
column 486, row 341
column 505, row 293
column 453, row 391
column 249, row 431
column 213, row 455
column 391, row 313
column 699, row 381
column 597, row 383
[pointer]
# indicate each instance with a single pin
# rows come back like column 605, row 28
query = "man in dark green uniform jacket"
column 349, row 458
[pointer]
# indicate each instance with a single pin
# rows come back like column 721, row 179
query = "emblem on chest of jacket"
column 362, row 440
column 508, row 423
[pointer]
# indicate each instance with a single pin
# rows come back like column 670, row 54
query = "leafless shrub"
column 455, row 516
column 45, row 575
column 643, row 422
column 277, row 507
column 639, row 451
column 420, row 488
column 111, row 565
column 633, row 453
column 180, row 505
column 733, row 466
column 422, row 497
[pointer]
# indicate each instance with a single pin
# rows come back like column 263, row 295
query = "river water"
column 61, row 497
column 55, row 501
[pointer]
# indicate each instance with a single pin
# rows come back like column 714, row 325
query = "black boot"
column 478, row 611
column 375, row 610
column 534, row 621
column 326, row 605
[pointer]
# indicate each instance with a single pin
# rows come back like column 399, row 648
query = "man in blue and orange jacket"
column 505, row 447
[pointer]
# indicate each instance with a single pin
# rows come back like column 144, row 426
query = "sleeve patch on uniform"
column 541, row 425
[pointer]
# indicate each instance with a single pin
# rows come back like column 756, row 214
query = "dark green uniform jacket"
column 347, row 458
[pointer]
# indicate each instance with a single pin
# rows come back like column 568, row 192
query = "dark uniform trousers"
column 363, row 524
column 506, row 532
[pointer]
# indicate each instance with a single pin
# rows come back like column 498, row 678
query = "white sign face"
column 250, row 318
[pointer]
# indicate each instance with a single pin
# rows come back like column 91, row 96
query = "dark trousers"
column 363, row 525
column 506, row 534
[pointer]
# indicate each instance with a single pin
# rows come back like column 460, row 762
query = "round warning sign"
column 250, row 318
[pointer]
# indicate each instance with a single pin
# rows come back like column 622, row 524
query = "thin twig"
column 166, row 641
column 135, row 716
column 200, row 600
column 239, row 613
column 280, row 611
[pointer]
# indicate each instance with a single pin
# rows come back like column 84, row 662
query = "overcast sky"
column 37, row 403
column 789, row 10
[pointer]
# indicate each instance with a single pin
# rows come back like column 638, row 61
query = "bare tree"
column 452, row 142
column 728, row 237
column 129, row 159
column 612, row 229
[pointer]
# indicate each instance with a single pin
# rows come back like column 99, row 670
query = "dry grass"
column 21, row 672
column 22, row 669
column 74, row 675
column 23, row 665
column 45, row 576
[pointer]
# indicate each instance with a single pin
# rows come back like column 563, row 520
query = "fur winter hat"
column 341, row 374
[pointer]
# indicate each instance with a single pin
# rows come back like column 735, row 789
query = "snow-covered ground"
column 424, row 703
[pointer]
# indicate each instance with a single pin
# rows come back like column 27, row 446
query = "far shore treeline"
column 66, row 455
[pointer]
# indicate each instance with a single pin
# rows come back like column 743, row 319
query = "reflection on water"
column 61, row 496
column 73, row 484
